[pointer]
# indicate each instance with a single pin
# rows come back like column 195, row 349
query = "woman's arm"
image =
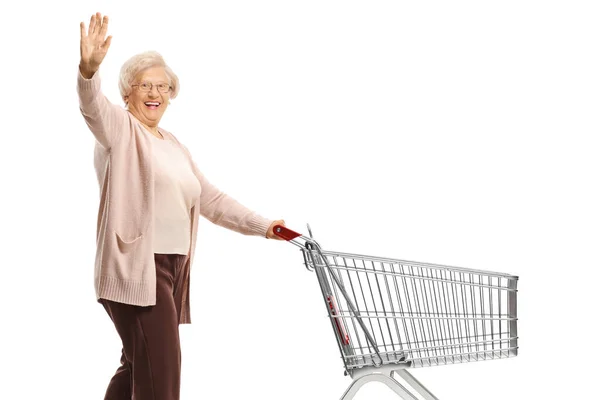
column 223, row 210
column 103, row 118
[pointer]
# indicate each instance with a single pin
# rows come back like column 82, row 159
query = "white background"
column 454, row 132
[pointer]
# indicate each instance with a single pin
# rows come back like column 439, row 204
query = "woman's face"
column 148, row 105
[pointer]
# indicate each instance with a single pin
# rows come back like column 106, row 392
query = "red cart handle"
column 285, row 233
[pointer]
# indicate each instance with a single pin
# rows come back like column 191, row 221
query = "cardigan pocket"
column 125, row 246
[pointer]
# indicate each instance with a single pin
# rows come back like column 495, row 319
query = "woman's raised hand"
column 93, row 45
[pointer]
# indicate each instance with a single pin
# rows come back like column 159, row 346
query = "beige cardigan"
column 124, row 267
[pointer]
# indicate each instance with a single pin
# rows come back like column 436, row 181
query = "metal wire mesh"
column 415, row 313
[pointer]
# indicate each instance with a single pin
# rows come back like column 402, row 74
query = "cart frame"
column 417, row 315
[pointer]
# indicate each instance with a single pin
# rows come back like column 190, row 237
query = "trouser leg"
column 120, row 385
column 150, row 337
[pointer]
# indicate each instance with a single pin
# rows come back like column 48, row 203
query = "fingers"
column 271, row 233
column 98, row 25
column 104, row 26
column 92, row 24
column 82, row 29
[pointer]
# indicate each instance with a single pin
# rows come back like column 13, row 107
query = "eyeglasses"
column 147, row 86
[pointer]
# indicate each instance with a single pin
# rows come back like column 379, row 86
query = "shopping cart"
column 390, row 315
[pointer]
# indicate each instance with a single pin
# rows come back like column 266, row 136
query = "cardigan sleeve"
column 221, row 209
column 104, row 119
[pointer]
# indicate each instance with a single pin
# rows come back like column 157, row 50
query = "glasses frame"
column 152, row 86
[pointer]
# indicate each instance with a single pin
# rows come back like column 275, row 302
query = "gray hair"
column 141, row 62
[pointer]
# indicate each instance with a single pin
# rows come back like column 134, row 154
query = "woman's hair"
column 141, row 62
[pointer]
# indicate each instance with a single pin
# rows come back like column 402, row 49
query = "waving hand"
column 94, row 45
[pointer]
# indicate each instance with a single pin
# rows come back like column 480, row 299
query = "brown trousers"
column 151, row 356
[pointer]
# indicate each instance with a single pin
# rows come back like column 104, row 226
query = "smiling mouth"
column 153, row 105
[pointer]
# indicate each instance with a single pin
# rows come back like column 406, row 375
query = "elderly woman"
column 152, row 194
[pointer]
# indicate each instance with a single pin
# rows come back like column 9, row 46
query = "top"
column 175, row 188
column 124, row 265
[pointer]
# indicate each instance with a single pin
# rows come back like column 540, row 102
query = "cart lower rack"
column 390, row 315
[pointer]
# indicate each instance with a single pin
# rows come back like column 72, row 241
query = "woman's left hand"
column 271, row 234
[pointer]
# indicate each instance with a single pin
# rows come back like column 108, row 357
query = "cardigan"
column 124, row 268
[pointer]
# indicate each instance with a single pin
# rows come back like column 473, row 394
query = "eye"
column 145, row 85
column 163, row 86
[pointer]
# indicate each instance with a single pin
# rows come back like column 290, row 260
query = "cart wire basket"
column 390, row 315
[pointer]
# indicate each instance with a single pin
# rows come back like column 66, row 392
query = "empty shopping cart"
column 390, row 315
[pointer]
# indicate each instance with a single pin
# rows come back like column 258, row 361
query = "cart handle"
column 295, row 238
column 291, row 237
column 285, row 233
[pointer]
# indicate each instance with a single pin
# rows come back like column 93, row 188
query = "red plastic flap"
column 338, row 323
column 285, row 233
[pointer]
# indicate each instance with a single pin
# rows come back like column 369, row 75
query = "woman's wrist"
column 87, row 71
